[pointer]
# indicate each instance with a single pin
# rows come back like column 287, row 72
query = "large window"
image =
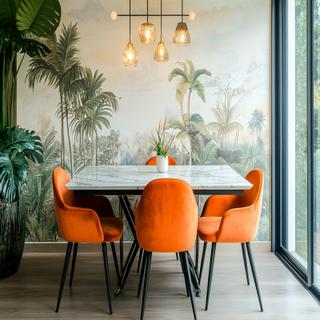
column 296, row 241
column 296, row 138
column 316, row 106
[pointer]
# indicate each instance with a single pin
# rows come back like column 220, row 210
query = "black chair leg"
column 213, row 253
column 64, row 273
column 139, row 261
column 243, row 247
column 184, row 273
column 106, row 268
column 185, row 257
column 197, row 253
column 115, row 259
column 146, row 283
column 75, row 250
column 142, row 272
column 177, row 256
column 253, row 269
column 203, row 259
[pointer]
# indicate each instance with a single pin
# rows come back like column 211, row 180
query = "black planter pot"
column 12, row 236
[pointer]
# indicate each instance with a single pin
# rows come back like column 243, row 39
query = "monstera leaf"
column 33, row 48
column 8, row 11
column 33, row 17
column 17, row 144
column 40, row 17
column 13, row 174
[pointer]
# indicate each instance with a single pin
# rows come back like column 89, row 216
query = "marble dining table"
column 123, row 180
column 118, row 180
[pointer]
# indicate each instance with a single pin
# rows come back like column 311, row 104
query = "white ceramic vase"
column 162, row 164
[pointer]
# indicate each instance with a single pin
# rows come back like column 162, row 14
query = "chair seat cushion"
column 208, row 228
column 112, row 228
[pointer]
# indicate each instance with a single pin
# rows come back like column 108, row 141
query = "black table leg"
column 125, row 205
column 194, row 275
column 121, row 240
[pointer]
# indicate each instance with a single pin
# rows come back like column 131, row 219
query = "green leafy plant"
column 159, row 144
column 17, row 144
column 20, row 20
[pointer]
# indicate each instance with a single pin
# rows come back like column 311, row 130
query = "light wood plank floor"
column 32, row 292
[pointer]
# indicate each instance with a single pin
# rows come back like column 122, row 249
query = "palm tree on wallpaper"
column 203, row 150
column 37, row 192
column 250, row 154
column 256, row 122
column 91, row 107
column 194, row 130
column 59, row 69
column 93, row 121
column 188, row 129
column 189, row 82
column 224, row 113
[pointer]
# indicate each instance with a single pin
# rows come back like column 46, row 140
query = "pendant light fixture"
column 181, row 36
column 161, row 53
column 147, row 34
column 147, row 30
column 130, row 54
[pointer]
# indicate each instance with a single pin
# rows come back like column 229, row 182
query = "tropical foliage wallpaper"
column 91, row 110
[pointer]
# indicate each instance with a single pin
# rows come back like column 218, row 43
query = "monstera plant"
column 22, row 25
column 17, row 144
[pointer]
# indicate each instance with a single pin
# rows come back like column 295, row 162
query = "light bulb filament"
column 148, row 33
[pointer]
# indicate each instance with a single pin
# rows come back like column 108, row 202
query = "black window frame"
column 279, row 156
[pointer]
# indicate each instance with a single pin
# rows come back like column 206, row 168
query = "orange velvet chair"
column 232, row 219
column 78, row 221
column 166, row 220
column 153, row 161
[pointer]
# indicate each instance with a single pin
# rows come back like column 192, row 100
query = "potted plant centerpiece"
column 161, row 147
column 20, row 22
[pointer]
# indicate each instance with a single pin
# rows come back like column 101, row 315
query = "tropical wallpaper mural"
column 91, row 110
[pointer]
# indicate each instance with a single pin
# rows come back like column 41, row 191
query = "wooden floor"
column 32, row 292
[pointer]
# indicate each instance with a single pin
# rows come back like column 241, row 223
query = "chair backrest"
column 254, row 195
column 240, row 223
column 218, row 205
column 59, row 179
column 75, row 224
column 153, row 161
column 167, row 216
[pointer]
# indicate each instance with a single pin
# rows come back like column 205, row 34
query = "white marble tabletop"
column 135, row 178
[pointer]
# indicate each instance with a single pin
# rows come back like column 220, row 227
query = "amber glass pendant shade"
column 181, row 36
column 161, row 53
column 130, row 55
column 147, row 33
